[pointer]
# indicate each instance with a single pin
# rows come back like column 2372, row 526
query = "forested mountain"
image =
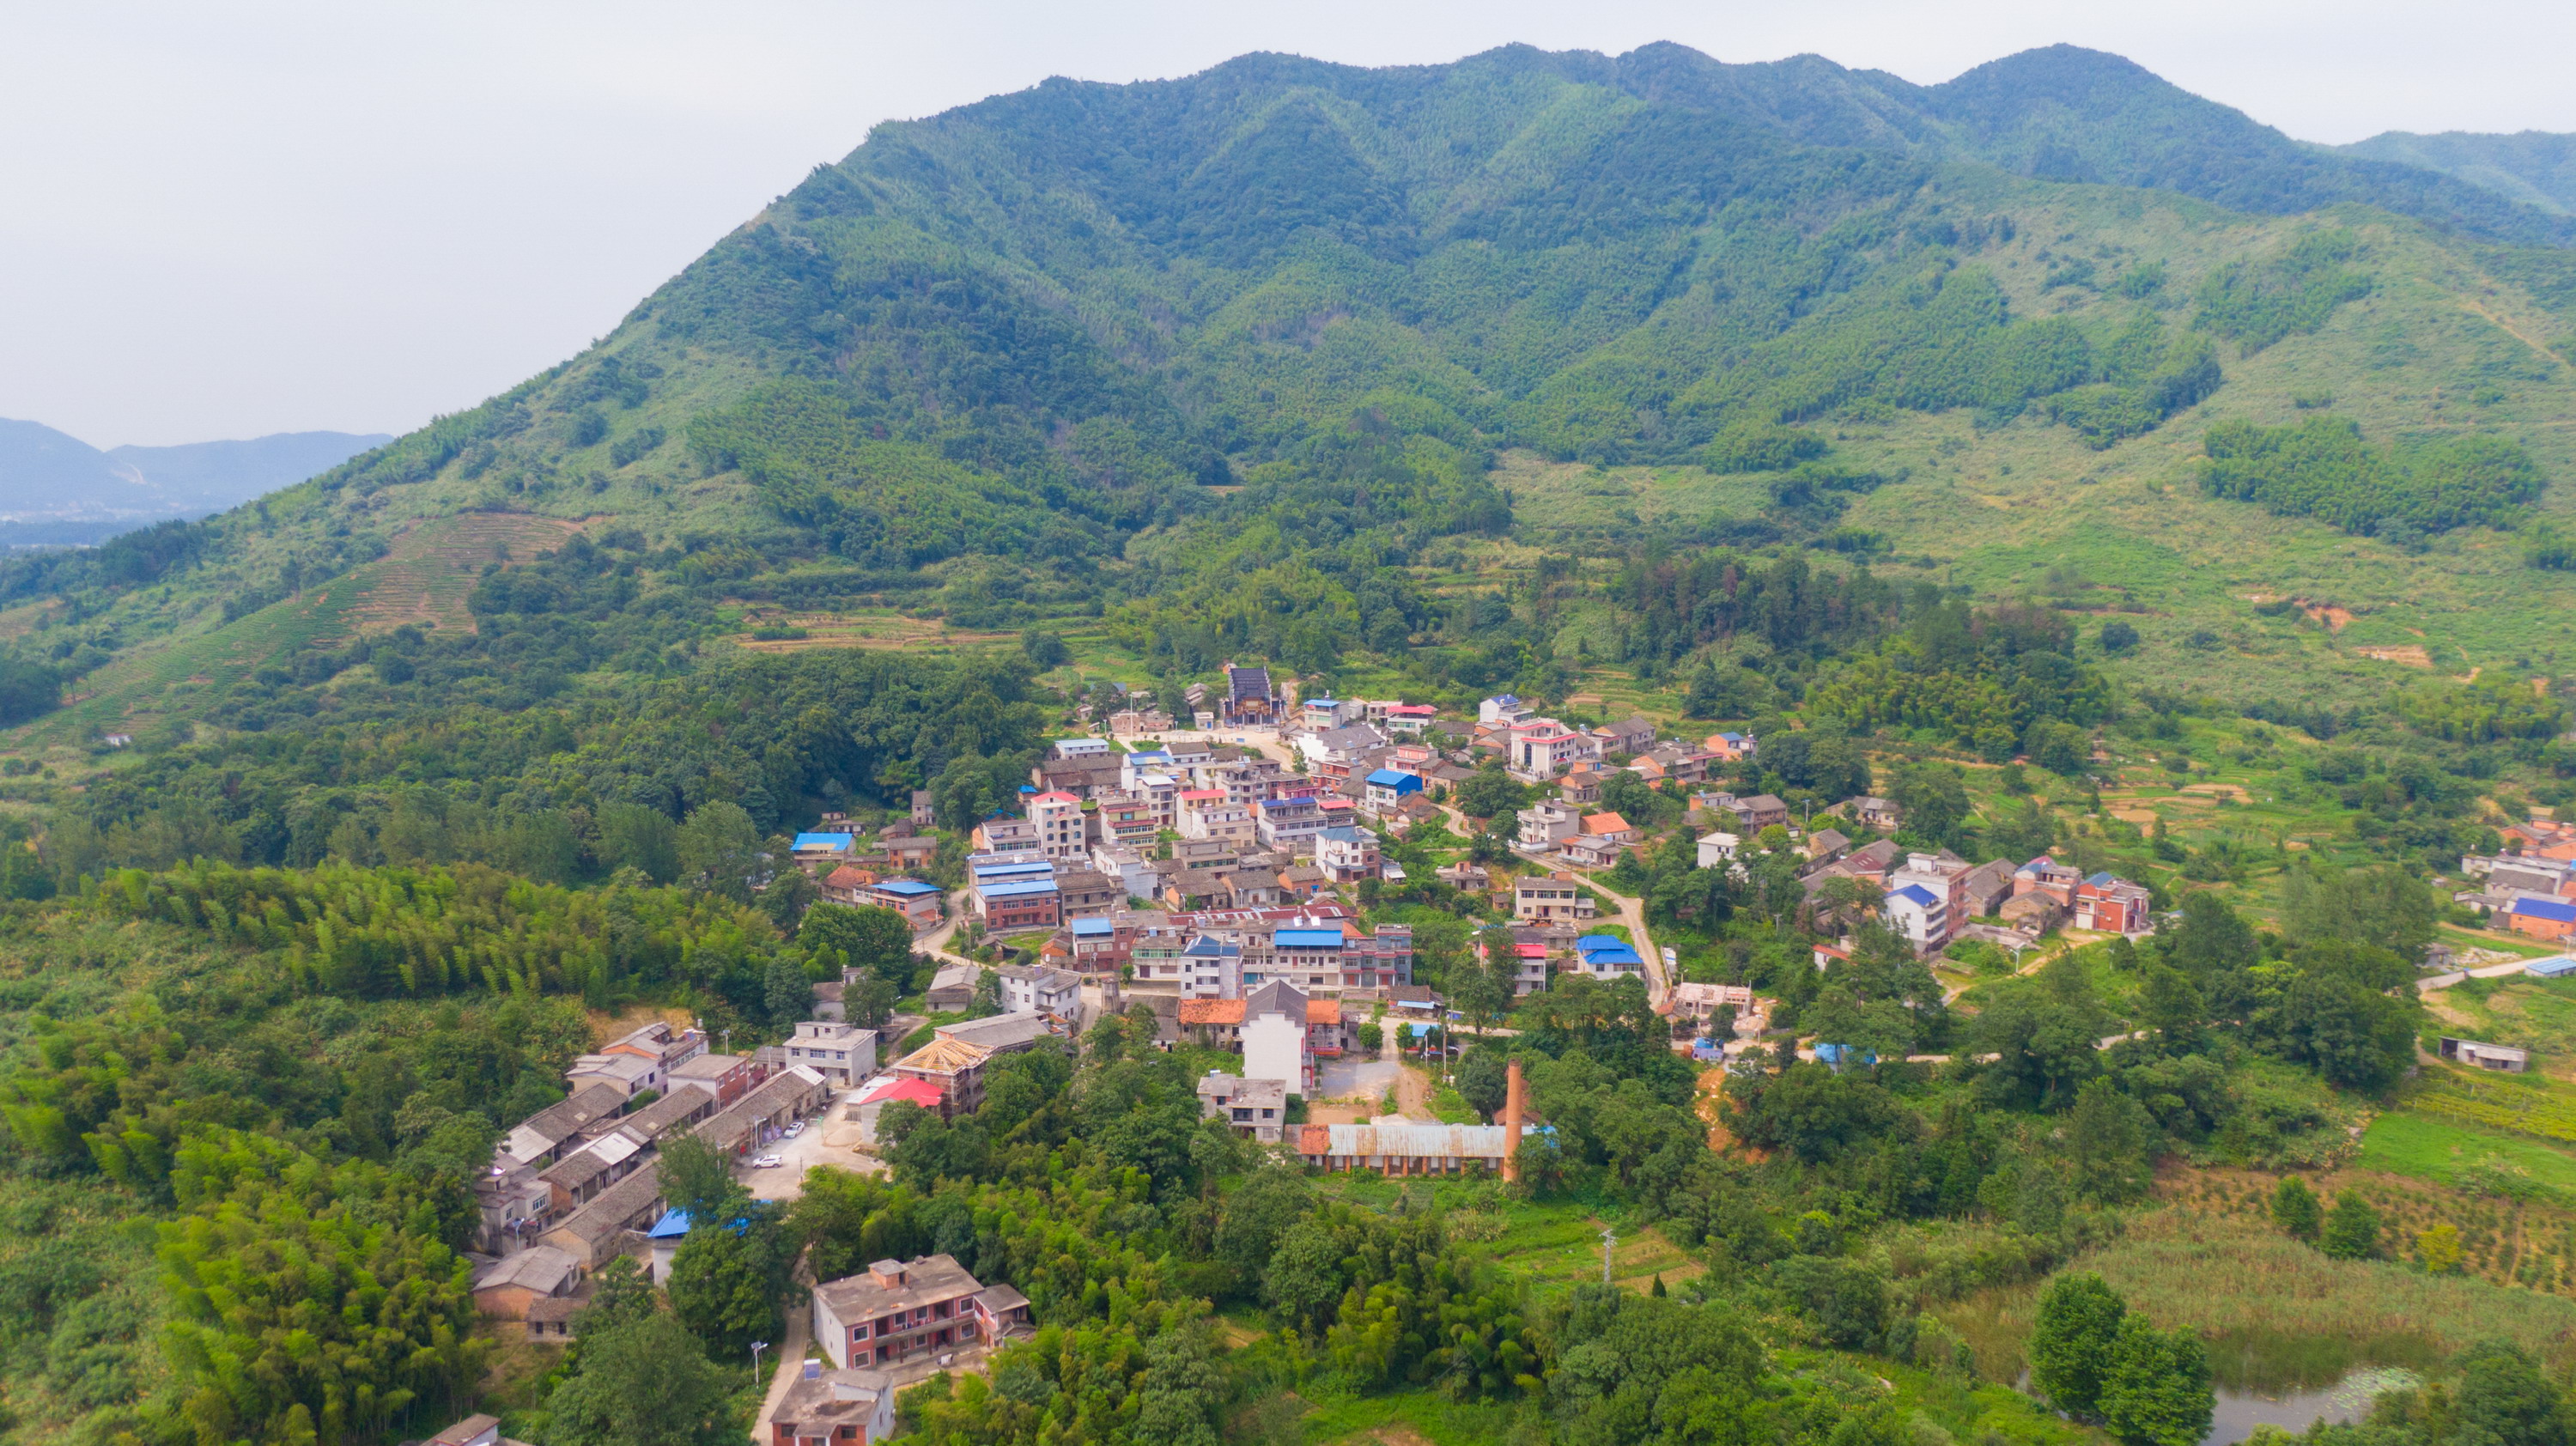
column 2537, row 168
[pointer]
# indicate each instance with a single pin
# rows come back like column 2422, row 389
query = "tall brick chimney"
column 1512, row 1103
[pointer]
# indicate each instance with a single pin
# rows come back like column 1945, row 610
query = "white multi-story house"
column 1347, row 855
column 1137, row 765
column 1339, row 748
column 843, row 1054
column 1547, row 824
column 1537, row 749
column 1208, row 813
column 1925, row 898
column 1062, row 831
column 1040, row 991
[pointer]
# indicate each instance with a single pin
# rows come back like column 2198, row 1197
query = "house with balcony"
column 1063, row 832
column 1538, row 749
column 916, row 900
column 1556, row 897
column 899, row 1310
column 1387, row 790
column 1347, row 855
column 1254, row 1109
column 1213, row 813
column 1546, row 824
column 843, row 1054
column 2113, row 905
column 1040, row 991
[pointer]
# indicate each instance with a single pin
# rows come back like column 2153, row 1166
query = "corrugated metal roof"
column 1416, row 1140
column 2553, row 909
column 1016, row 888
column 1306, row 938
column 1002, row 871
column 2552, row 968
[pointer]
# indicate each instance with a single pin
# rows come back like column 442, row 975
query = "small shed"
column 2502, row 1058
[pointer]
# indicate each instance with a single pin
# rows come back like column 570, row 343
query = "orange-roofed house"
column 843, row 884
column 1220, row 1021
column 1598, row 846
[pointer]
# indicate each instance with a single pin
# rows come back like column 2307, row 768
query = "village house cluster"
column 2530, row 887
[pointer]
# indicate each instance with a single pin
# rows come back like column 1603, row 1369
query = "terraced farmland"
column 425, row 577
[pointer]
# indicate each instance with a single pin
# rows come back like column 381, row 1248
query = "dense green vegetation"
column 2322, row 468
column 1787, row 400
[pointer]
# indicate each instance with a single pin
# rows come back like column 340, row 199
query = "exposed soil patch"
column 2412, row 655
column 2336, row 619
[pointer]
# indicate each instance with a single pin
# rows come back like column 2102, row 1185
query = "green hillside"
column 1271, row 331
column 2079, row 465
column 1011, row 364
column 2537, row 168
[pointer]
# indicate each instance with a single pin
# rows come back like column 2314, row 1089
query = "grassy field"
column 2287, row 1315
column 2448, row 1152
column 2026, row 509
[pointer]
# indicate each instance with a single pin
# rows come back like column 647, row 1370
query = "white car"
column 795, row 1129
column 767, row 1162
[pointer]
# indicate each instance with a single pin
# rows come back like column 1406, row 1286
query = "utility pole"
column 1609, row 1241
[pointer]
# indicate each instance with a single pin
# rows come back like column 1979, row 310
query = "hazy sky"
column 220, row 220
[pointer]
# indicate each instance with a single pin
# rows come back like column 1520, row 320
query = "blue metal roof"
column 2552, row 968
column 1204, row 947
column 1017, row 888
column 909, row 888
column 1307, row 938
column 2554, row 909
column 1389, row 778
column 2103, row 880
column 672, row 1225
column 1004, row 871
column 1590, row 942
column 822, row 841
column 1091, row 928
column 1920, row 896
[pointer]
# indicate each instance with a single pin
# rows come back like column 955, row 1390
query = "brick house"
column 900, row 1309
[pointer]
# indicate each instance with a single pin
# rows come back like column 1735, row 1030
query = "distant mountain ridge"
column 2065, row 113
column 51, row 476
column 2537, row 168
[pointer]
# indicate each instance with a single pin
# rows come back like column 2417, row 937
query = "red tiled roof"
column 1211, row 1011
column 1601, row 823
column 1323, row 1011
